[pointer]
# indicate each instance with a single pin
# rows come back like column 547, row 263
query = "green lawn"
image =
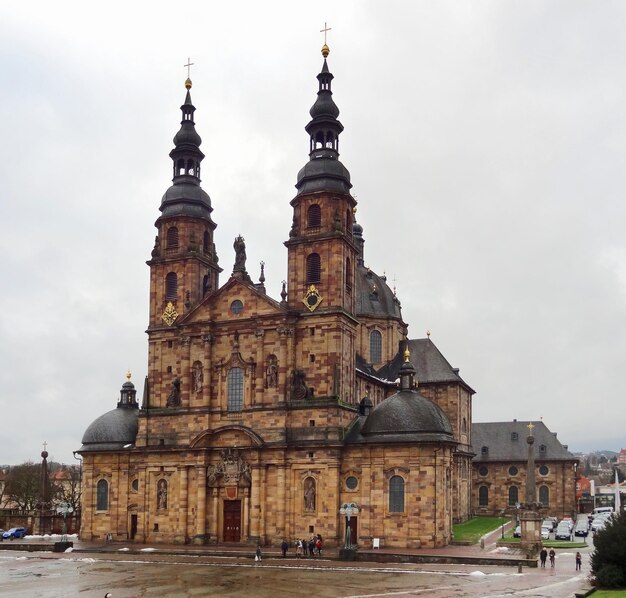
column 472, row 530
column 609, row 594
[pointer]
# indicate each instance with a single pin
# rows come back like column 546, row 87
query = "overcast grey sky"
column 486, row 143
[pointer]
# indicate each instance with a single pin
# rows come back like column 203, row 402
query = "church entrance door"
column 133, row 525
column 232, row 521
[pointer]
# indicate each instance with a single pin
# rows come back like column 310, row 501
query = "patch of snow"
column 123, row 549
column 148, row 549
column 69, row 549
column 478, row 574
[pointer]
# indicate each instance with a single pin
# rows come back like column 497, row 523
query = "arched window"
column 464, row 425
column 349, row 223
column 376, row 346
column 206, row 239
column 348, row 274
column 172, row 237
column 102, row 496
column 171, row 286
column 396, row 494
column 513, row 495
column 313, row 268
column 544, row 496
column 483, row 496
column 235, row 389
column 314, row 215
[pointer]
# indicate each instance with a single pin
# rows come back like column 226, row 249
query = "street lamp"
column 348, row 509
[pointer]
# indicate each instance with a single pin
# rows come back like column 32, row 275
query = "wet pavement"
column 131, row 570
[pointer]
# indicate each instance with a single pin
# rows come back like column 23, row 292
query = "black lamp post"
column 348, row 509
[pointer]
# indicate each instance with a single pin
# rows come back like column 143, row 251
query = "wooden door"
column 232, row 521
column 133, row 525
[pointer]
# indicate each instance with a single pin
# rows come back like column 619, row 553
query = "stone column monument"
column 531, row 509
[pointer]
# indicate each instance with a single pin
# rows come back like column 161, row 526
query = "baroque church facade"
column 262, row 417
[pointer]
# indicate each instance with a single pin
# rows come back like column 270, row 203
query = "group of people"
column 544, row 555
column 311, row 548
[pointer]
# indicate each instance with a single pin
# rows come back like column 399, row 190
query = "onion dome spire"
column 185, row 196
column 324, row 171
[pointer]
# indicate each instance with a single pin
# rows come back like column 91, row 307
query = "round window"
column 236, row 307
column 482, row 470
column 351, row 483
column 512, row 470
column 543, row 470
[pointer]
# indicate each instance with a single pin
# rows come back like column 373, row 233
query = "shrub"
column 610, row 576
column 608, row 560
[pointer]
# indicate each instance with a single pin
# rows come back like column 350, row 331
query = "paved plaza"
column 133, row 571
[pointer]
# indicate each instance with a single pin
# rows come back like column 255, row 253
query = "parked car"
column 569, row 522
column 549, row 522
column 598, row 524
column 582, row 528
column 563, row 531
column 545, row 532
column 517, row 532
column 14, row 532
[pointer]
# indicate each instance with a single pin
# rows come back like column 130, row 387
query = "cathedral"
column 264, row 418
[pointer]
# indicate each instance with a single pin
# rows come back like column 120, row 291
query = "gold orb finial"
column 407, row 353
column 128, row 375
column 188, row 84
column 325, row 51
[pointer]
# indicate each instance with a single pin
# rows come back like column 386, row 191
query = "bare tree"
column 67, row 485
column 22, row 487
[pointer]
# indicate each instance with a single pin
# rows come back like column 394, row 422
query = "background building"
column 500, row 469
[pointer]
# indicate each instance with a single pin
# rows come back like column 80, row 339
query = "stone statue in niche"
column 271, row 372
column 173, row 400
column 162, row 494
column 198, row 377
column 309, row 494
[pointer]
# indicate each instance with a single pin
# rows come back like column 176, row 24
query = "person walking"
column 298, row 548
column 312, row 546
column 543, row 557
column 305, row 547
column 579, row 561
column 284, row 547
column 257, row 556
column 552, row 554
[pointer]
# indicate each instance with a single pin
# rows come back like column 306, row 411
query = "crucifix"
column 189, row 65
column 45, row 445
column 325, row 30
column 530, row 428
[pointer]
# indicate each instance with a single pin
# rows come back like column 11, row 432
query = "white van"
column 599, row 510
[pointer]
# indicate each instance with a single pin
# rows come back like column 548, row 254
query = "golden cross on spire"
column 128, row 375
column 188, row 67
column 531, row 426
column 45, row 445
column 325, row 30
